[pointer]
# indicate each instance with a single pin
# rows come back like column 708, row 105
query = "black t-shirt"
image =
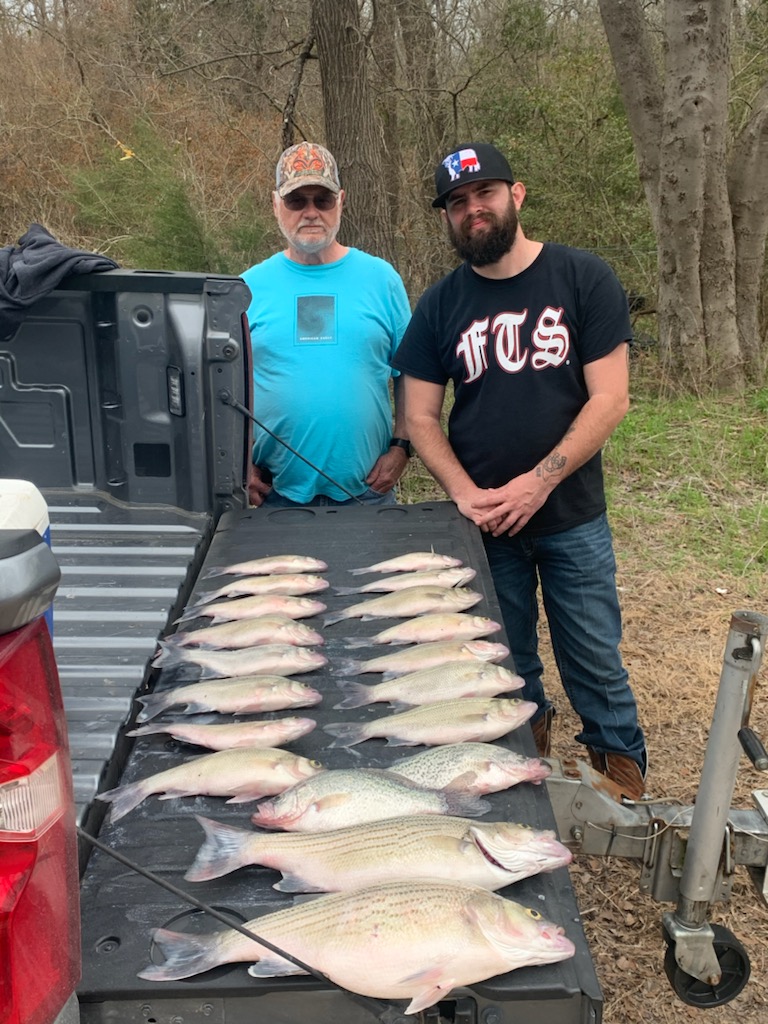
column 515, row 350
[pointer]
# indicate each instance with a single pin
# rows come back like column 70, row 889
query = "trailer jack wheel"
column 734, row 963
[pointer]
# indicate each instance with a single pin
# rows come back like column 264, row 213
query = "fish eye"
column 316, row 764
column 534, row 914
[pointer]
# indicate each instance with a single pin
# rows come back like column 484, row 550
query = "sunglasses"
column 324, row 201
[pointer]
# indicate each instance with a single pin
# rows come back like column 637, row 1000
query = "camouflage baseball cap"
column 306, row 164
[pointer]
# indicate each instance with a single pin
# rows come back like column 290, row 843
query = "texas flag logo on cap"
column 464, row 160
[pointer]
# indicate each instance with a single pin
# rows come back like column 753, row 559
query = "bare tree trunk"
column 748, row 191
column 353, row 129
column 697, row 302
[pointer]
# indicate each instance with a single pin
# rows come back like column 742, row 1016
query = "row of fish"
column 415, row 870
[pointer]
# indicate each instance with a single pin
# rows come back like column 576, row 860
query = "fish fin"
column 392, row 674
column 348, row 590
column 272, row 966
column 123, row 799
column 153, row 704
column 398, row 741
column 215, row 570
column 185, row 955
column 462, row 783
column 359, row 572
column 356, row 695
column 338, row 617
column 347, row 667
column 464, row 806
column 436, row 987
column 346, row 733
column 244, row 798
column 400, row 705
column 221, row 852
column 295, row 883
column 353, row 642
column 147, row 730
column 169, row 655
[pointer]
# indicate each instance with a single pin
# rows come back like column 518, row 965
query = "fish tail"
column 146, row 730
column 348, row 590
column 353, row 642
column 215, row 570
column 338, row 617
column 153, row 704
column 347, row 667
column 356, row 695
column 169, row 655
column 359, row 572
column 185, row 955
column 463, row 806
column 221, row 852
column 347, row 733
column 124, row 798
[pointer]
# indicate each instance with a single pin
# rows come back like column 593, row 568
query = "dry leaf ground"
column 675, row 630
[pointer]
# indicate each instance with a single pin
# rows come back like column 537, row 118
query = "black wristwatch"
column 400, row 442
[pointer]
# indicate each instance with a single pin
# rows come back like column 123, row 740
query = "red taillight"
column 39, row 886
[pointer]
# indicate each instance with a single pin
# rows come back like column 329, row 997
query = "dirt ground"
column 675, row 630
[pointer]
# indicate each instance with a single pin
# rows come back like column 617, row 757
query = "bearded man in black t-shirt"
column 534, row 337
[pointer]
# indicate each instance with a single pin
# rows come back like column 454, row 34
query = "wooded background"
column 149, row 130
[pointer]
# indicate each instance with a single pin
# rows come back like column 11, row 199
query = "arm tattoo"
column 553, row 464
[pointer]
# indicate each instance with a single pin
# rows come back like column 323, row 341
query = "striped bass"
column 488, row 854
column 398, row 940
column 283, row 659
column 267, row 566
column 275, row 629
column 253, row 607
column 293, row 585
column 428, row 628
column 415, row 561
column 423, row 656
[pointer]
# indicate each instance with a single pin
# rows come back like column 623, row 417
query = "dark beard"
column 488, row 246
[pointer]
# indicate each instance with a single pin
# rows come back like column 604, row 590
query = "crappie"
column 423, row 656
column 398, row 940
column 196, row 663
column 475, row 768
column 292, row 585
column 351, row 796
column 428, row 628
column 432, row 846
column 270, row 564
column 416, row 561
column 447, row 721
column 274, row 629
column 270, row 733
column 244, row 774
column 413, row 601
column 430, row 578
column 253, row 607
column 231, row 696
column 443, row 682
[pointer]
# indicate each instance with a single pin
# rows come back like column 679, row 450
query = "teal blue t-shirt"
column 323, row 337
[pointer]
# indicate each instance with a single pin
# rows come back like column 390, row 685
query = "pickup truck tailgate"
column 120, row 907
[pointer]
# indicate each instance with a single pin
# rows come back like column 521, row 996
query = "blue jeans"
column 369, row 497
column 576, row 569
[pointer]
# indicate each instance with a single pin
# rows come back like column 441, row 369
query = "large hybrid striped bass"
column 242, row 695
column 432, row 846
column 455, row 679
column 351, row 796
column 447, row 721
column 242, row 774
column 398, row 940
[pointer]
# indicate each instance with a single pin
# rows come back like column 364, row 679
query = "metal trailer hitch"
column 687, row 854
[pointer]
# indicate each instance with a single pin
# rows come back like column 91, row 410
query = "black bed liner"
column 120, row 908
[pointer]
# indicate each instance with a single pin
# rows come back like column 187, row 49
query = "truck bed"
column 120, row 907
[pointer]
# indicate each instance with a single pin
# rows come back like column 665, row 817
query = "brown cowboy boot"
column 622, row 770
column 542, row 732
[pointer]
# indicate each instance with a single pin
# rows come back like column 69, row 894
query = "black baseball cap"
column 471, row 161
